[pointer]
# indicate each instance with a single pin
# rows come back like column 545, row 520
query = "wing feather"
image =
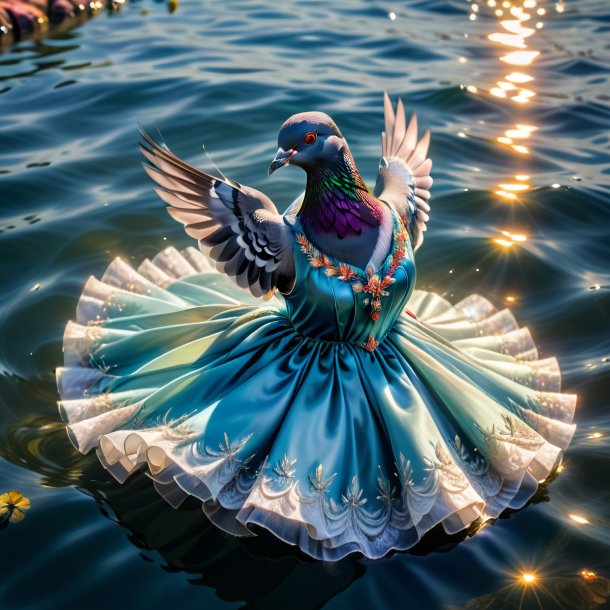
column 239, row 227
column 404, row 178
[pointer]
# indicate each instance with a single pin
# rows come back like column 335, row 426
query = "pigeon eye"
column 310, row 137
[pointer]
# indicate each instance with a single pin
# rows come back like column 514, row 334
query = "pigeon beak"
column 282, row 158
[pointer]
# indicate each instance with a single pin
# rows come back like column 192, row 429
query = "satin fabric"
column 279, row 414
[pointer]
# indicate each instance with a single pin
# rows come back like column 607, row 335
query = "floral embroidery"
column 387, row 491
column 516, row 435
column 370, row 345
column 228, row 451
column 371, row 284
column 318, row 483
column 285, row 468
column 353, row 495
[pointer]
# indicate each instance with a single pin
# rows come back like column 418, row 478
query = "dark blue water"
column 524, row 154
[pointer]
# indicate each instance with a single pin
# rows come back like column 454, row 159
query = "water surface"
column 521, row 150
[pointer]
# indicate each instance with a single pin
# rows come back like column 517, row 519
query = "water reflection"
column 514, row 34
column 509, row 239
column 58, row 226
column 584, row 590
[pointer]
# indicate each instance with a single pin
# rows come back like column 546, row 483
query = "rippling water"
column 520, row 214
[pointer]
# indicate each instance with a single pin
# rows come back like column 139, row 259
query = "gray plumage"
column 241, row 229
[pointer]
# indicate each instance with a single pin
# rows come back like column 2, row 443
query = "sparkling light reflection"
column 509, row 239
column 514, row 187
column 515, row 87
column 528, row 578
column 520, row 58
column 579, row 519
column 518, row 77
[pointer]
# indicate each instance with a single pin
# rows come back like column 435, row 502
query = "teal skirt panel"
column 330, row 446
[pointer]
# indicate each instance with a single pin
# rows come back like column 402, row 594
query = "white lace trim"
column 455, row 490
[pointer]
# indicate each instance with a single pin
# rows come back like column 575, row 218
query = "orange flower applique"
column 370, row 345
column 371, row 283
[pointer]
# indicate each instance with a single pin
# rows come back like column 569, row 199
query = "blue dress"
column 331, row 416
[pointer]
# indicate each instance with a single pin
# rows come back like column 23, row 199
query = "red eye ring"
column 310, row 137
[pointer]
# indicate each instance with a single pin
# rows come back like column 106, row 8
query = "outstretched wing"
column 238, row 227
column 404, row 170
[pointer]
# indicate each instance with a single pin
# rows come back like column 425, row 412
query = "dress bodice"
column 333, row 301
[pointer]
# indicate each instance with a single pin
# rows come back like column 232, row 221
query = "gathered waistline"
column 370, row 345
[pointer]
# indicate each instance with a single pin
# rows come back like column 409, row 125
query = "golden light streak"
column 520, row 131
column 520, row 58
column 519, row 77
column 517, row 133
column 497, row 92
column 519, row 13
column 510, row 40
column 514, row 187
column 513, row 32
column 514, row 26
column 579, row 519
column 514, row 237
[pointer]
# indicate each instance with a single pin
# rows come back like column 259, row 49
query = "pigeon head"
column 308, row 140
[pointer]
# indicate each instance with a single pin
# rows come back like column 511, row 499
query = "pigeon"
column 346, row 401
column 241, row 229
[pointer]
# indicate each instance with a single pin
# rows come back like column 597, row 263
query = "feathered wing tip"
column 399, row 141
column 239, row 227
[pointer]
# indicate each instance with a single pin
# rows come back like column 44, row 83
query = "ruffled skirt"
column 451, row 419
